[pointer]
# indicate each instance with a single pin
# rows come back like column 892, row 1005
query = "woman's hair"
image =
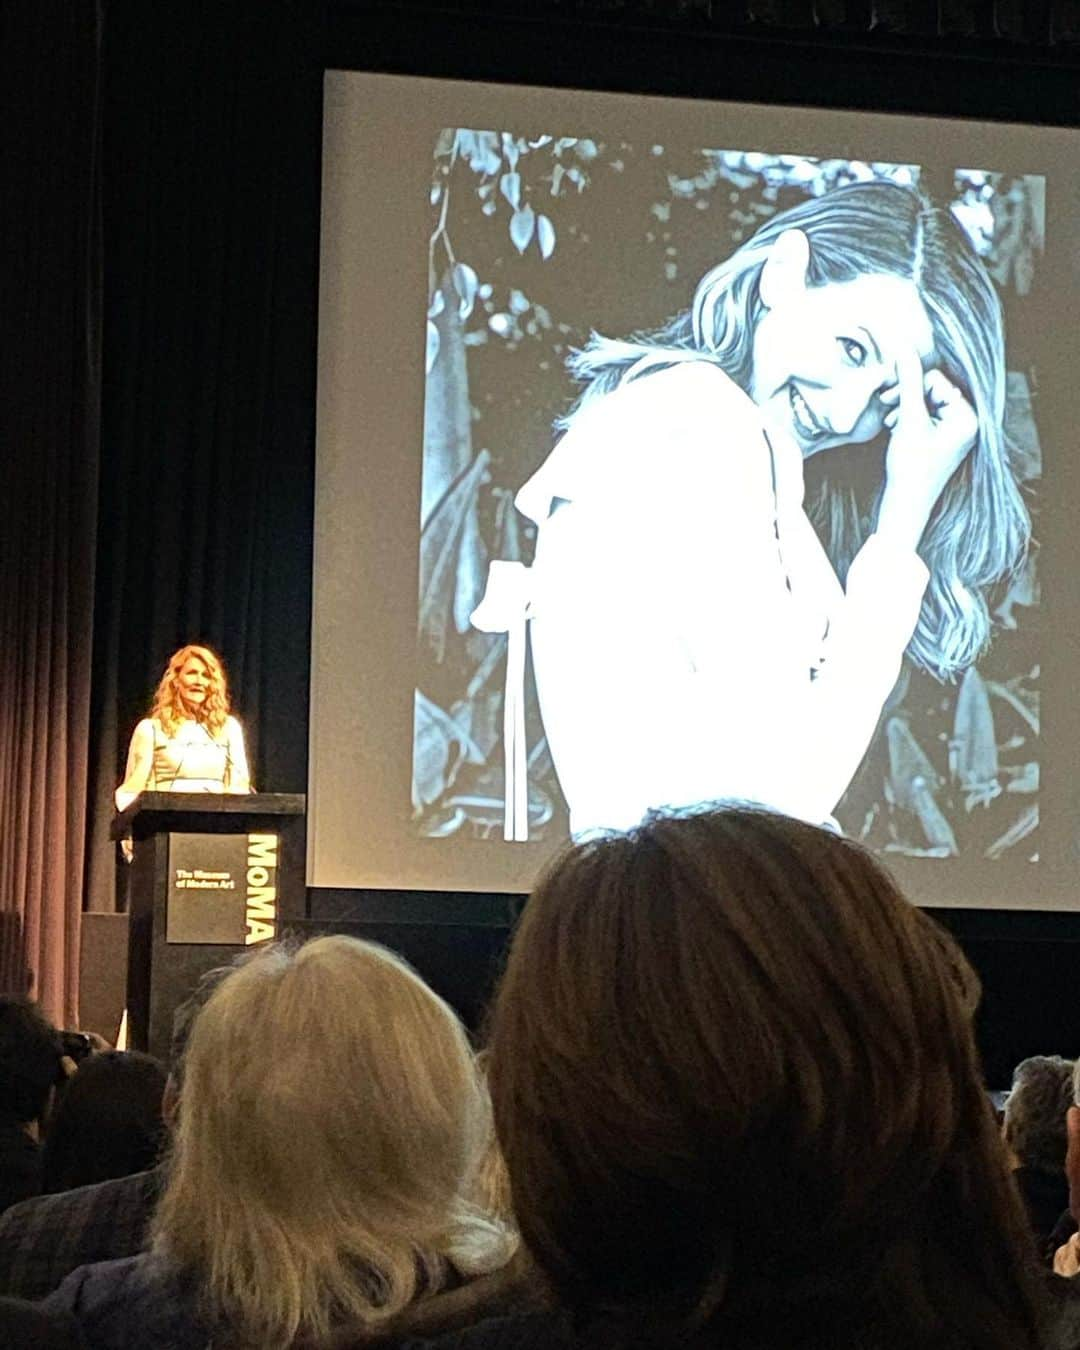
column 107, row 1123
column 330, row 1124
column 978, row 532
column 1035, row 1110
column 168, row 707
column 735, row 1082
column 492, row 1185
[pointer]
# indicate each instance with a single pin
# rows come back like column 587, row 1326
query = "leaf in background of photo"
column 488, row 719
column 1024, row 825
column 512, row 149
column 971, row 207
column 914, row 785
column 1018, row 242
column 471, row 569
column 545, row 236
column 507, row 529
column 522, row 225
column 447, row 409
column 510, row 187
column 479, row 795
column 481, row 149
column 432, row 348
column 484, row 652
column 441, row 822
column 1022, row 777
column 541, row 765
column 481, row 717
column 1020, row 428
column 447, row 542
column 465, row 284
column 914, row 851
column 440, row 746
column 1024, row 701
column 480, row 711
column 973, row 753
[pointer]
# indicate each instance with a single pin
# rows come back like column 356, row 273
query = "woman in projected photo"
column 189, row 741
column 756, row 511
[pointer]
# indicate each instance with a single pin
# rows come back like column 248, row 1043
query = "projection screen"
column 671, row 451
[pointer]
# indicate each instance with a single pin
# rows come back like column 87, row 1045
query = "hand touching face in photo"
column 823, row 356
column 932, row 428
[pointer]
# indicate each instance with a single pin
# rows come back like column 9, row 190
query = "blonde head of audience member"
column 330, row 1125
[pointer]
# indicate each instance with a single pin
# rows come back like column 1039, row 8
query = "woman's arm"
column 140, row 763
column 861, row 660
column 932, row 430
column 237, row 776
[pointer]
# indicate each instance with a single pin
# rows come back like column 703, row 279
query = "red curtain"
column 50, row 293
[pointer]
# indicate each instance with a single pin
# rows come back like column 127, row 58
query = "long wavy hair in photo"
column 979, row 531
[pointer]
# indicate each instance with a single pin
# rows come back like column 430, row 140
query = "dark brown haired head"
column 735, row 1079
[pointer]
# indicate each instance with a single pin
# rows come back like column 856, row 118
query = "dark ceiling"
column 1037, row 28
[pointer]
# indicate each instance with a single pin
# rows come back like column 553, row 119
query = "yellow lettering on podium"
column 261, row 907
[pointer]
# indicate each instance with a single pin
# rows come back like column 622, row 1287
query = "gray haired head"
column 1035, row 1109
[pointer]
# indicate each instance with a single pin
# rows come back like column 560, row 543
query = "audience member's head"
column 1036, row 1110
column 330, row 1123
column 30, row 1054
column 107, row 1122
column 735, row 1081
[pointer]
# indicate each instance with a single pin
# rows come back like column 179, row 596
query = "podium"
column 211, row 875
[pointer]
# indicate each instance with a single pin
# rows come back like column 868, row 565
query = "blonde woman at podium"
column 189, row 741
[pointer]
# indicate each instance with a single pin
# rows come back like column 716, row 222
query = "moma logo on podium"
column 223, row 889
column 261, row 911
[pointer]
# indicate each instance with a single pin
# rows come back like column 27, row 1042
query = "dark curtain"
column 212, row 120
column 50, row 248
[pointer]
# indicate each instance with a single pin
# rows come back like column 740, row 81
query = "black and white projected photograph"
column 730, row 489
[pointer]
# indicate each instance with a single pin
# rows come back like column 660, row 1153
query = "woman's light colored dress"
column 194, row 761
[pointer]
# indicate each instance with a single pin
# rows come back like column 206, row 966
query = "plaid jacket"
column 42, row 1240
